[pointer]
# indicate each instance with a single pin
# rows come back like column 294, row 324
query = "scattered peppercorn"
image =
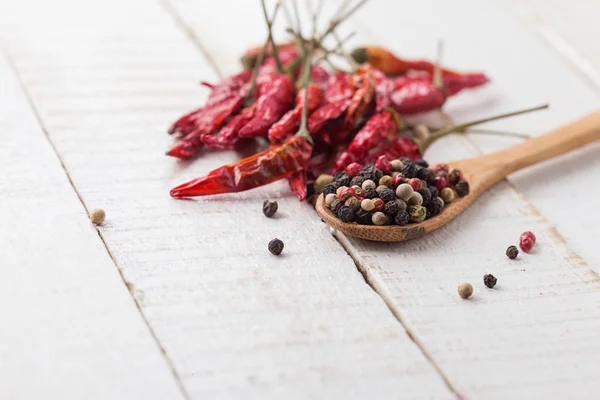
column 465, row 290
column 397, row 165
column 402, row 218
column 328, row 189
column 357, row 181
column 346, row 214
column 409, row 171
column 415, row 199
column 422, row 163
column 353, row 203
column 387, row 180
column 462, row 188
column 342, row 178
column 489, row 280
column 380, row 218
column 512, row 252
column 97, row 215
column 417, row 213
column 322, row 181
column 455, row 176
column 276, row 247
column 369, row 193
column 527, row 241
column 404, row 191
column 270, row 208
column 372, row 173
column 425, row 195
column 353, row 169
column 335, row 206
column 447, row 194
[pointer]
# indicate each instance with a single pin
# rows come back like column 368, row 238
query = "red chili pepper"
column 290, row 122
column 338, row 95
column 320, row 76
column 362, row 98
column 379, row 127
column 297, row 182
column 227, row 137
column 418, row 96
column 401, row 147
column 275, row 163
column 275, row 98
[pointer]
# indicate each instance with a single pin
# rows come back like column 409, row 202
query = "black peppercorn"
column 402, row 218
column 409, row 171
column 276, row 247
column 369, row 193
column 391, row 208
column 372, row 173
column 342, row 179
column 331, row 188
column 426, row 174
column 269, row 208
column 426, row 195
column 422, row 163
column 335, row 206
column 387, row 195
column 435, row 206
column 489, row 280
column 512, row 252
column 346, row 214
column 462, row 188
column 357, row 181
column 454, row 177
column 434, row 192
column 364, row 217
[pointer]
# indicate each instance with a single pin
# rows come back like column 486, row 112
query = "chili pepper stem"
column 498, row 133
column 461, row 127
column 306, row 70
column 269, row 22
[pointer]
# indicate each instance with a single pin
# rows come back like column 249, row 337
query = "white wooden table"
column 180, row 299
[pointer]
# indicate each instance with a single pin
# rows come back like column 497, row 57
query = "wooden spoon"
column 482, row 173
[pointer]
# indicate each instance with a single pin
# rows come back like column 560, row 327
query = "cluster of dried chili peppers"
column 315, row 121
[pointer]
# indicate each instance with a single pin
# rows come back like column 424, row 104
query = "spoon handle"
column 568, row 137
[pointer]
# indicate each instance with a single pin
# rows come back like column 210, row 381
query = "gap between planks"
column 130, row 287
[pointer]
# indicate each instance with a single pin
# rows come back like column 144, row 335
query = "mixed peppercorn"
column 396, row 192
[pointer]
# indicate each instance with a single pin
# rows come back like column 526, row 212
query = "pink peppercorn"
column 379, row 204
column 455, row 176
column 441, row 167
column 416, row 184
column 345, row 194
column 384, row 165
column 353, row 169
column 441, row 182
column 527, row 241
column 398, row 179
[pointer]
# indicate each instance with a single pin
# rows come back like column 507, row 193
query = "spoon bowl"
column 482, row 173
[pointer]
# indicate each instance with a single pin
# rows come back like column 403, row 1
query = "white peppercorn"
column 465, row 290
column 404, row 191
column 329, row 199
column 397, row 165
column 387, row 181
column 416, row 199
column 368, row 183
column 339, row 190
column 381, row 188
column 367, row 205
column 97, row 216
column 353, row 203
column 379, row 218
column 357, row 189
column 447, row 194
column 322, row 181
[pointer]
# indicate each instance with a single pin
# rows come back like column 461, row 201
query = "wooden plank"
column 545, row 309
column 235, row 321
column 70, row 329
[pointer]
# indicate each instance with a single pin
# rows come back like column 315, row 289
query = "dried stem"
column 337, row 48
column 497, row 133
column 350, row 60
column 457, row 128
column 333, row 24
column 256, row 69
column 275, row 50
column 306, row 75
column 297, row 16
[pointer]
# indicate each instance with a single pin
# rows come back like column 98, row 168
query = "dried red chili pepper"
column 417, row 96
column 379, row 127
column 297, row 182
column 401, row 147
column 289, row 123
column 338, row 95
column 320, row 76
column 273, row 164
column 275, row 98
column 227, row 137
column 362, row 98
column 390, row 64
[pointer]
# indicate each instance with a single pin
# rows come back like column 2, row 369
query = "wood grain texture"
column 534, row 335
column 70, row 329
column 235, row 321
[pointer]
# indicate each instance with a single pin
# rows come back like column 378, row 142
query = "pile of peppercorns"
column 392, row 192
